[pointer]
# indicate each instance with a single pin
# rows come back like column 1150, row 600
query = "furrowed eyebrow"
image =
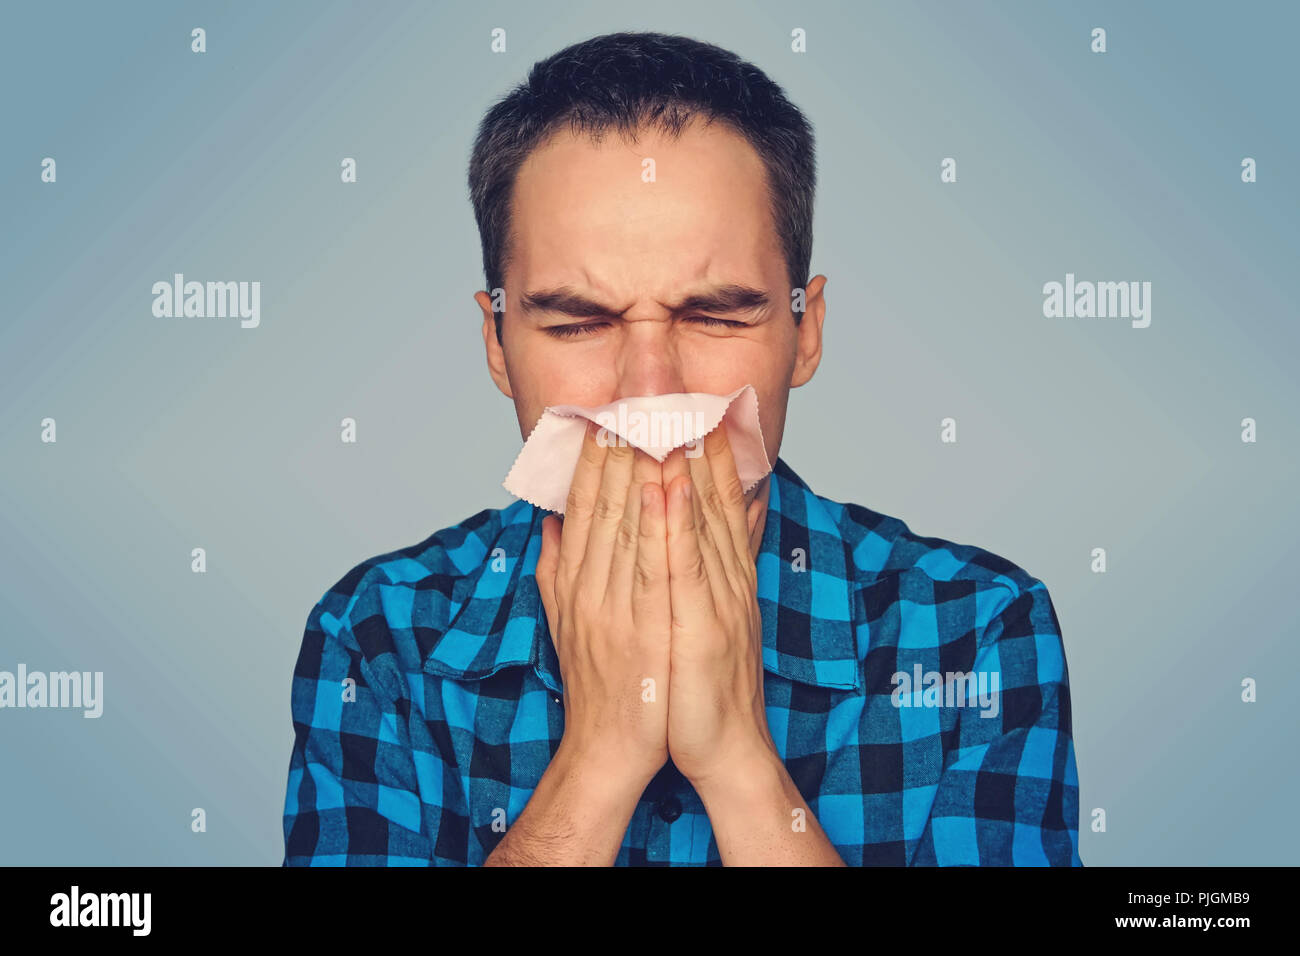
column 724, row 299
column 727, row 298
column 564, row 301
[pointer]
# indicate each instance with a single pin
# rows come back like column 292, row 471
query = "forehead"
column 643, row 216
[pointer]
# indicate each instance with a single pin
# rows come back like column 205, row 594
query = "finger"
column 650, row 580
column 715, row 533
column 577, row 509
column 675, row 466
column 716, row 567
column 546, row 562
column 627, row 542
column 689, row 590
column 726, row 478
column 606, row 517
column 753, row 513
column 680, row 464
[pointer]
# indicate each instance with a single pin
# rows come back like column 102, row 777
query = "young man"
column 679, row 672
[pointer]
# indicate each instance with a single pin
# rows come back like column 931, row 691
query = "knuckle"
column 713, row 498
column 578, row 500
column 643, row 578
column 732, row 490
column 695, row 566
column 605, row 508
column 705, row 533
column 628, row 535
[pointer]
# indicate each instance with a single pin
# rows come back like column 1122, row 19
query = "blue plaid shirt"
column 427, row 699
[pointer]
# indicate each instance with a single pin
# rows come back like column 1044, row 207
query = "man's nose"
column 649, row 362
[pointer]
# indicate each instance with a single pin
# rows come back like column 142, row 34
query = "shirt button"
column 669, row 808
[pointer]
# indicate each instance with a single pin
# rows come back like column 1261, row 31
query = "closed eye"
column 725, row 323
column 573, row 331
column 588, row 328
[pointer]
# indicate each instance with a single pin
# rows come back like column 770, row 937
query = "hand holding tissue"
column 656, row 424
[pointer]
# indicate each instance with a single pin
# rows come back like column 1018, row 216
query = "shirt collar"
column 807, row 593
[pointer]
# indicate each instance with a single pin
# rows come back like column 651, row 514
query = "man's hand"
column 717, row 717
column 603, row 579
column 717, row 720
column 640, row 583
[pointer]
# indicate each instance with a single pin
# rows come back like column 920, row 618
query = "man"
column 678, row 672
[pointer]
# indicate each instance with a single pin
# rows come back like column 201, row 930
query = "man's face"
column 588, row 226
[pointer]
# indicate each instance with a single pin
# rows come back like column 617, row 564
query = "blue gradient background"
column 1073, row 433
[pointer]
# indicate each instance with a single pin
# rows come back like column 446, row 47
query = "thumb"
column 688, row 581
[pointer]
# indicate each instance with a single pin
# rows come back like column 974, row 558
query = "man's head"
column 645, row 202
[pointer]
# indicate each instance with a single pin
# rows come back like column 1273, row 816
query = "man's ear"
column 496, row 356
column 808, row 333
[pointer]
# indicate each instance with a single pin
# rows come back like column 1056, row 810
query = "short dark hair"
column 627, row 81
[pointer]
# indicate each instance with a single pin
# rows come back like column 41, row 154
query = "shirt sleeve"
column 1009, row 792
column 353, row 796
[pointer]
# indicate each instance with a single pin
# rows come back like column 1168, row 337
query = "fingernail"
column 686, row 491
column 645, row 496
